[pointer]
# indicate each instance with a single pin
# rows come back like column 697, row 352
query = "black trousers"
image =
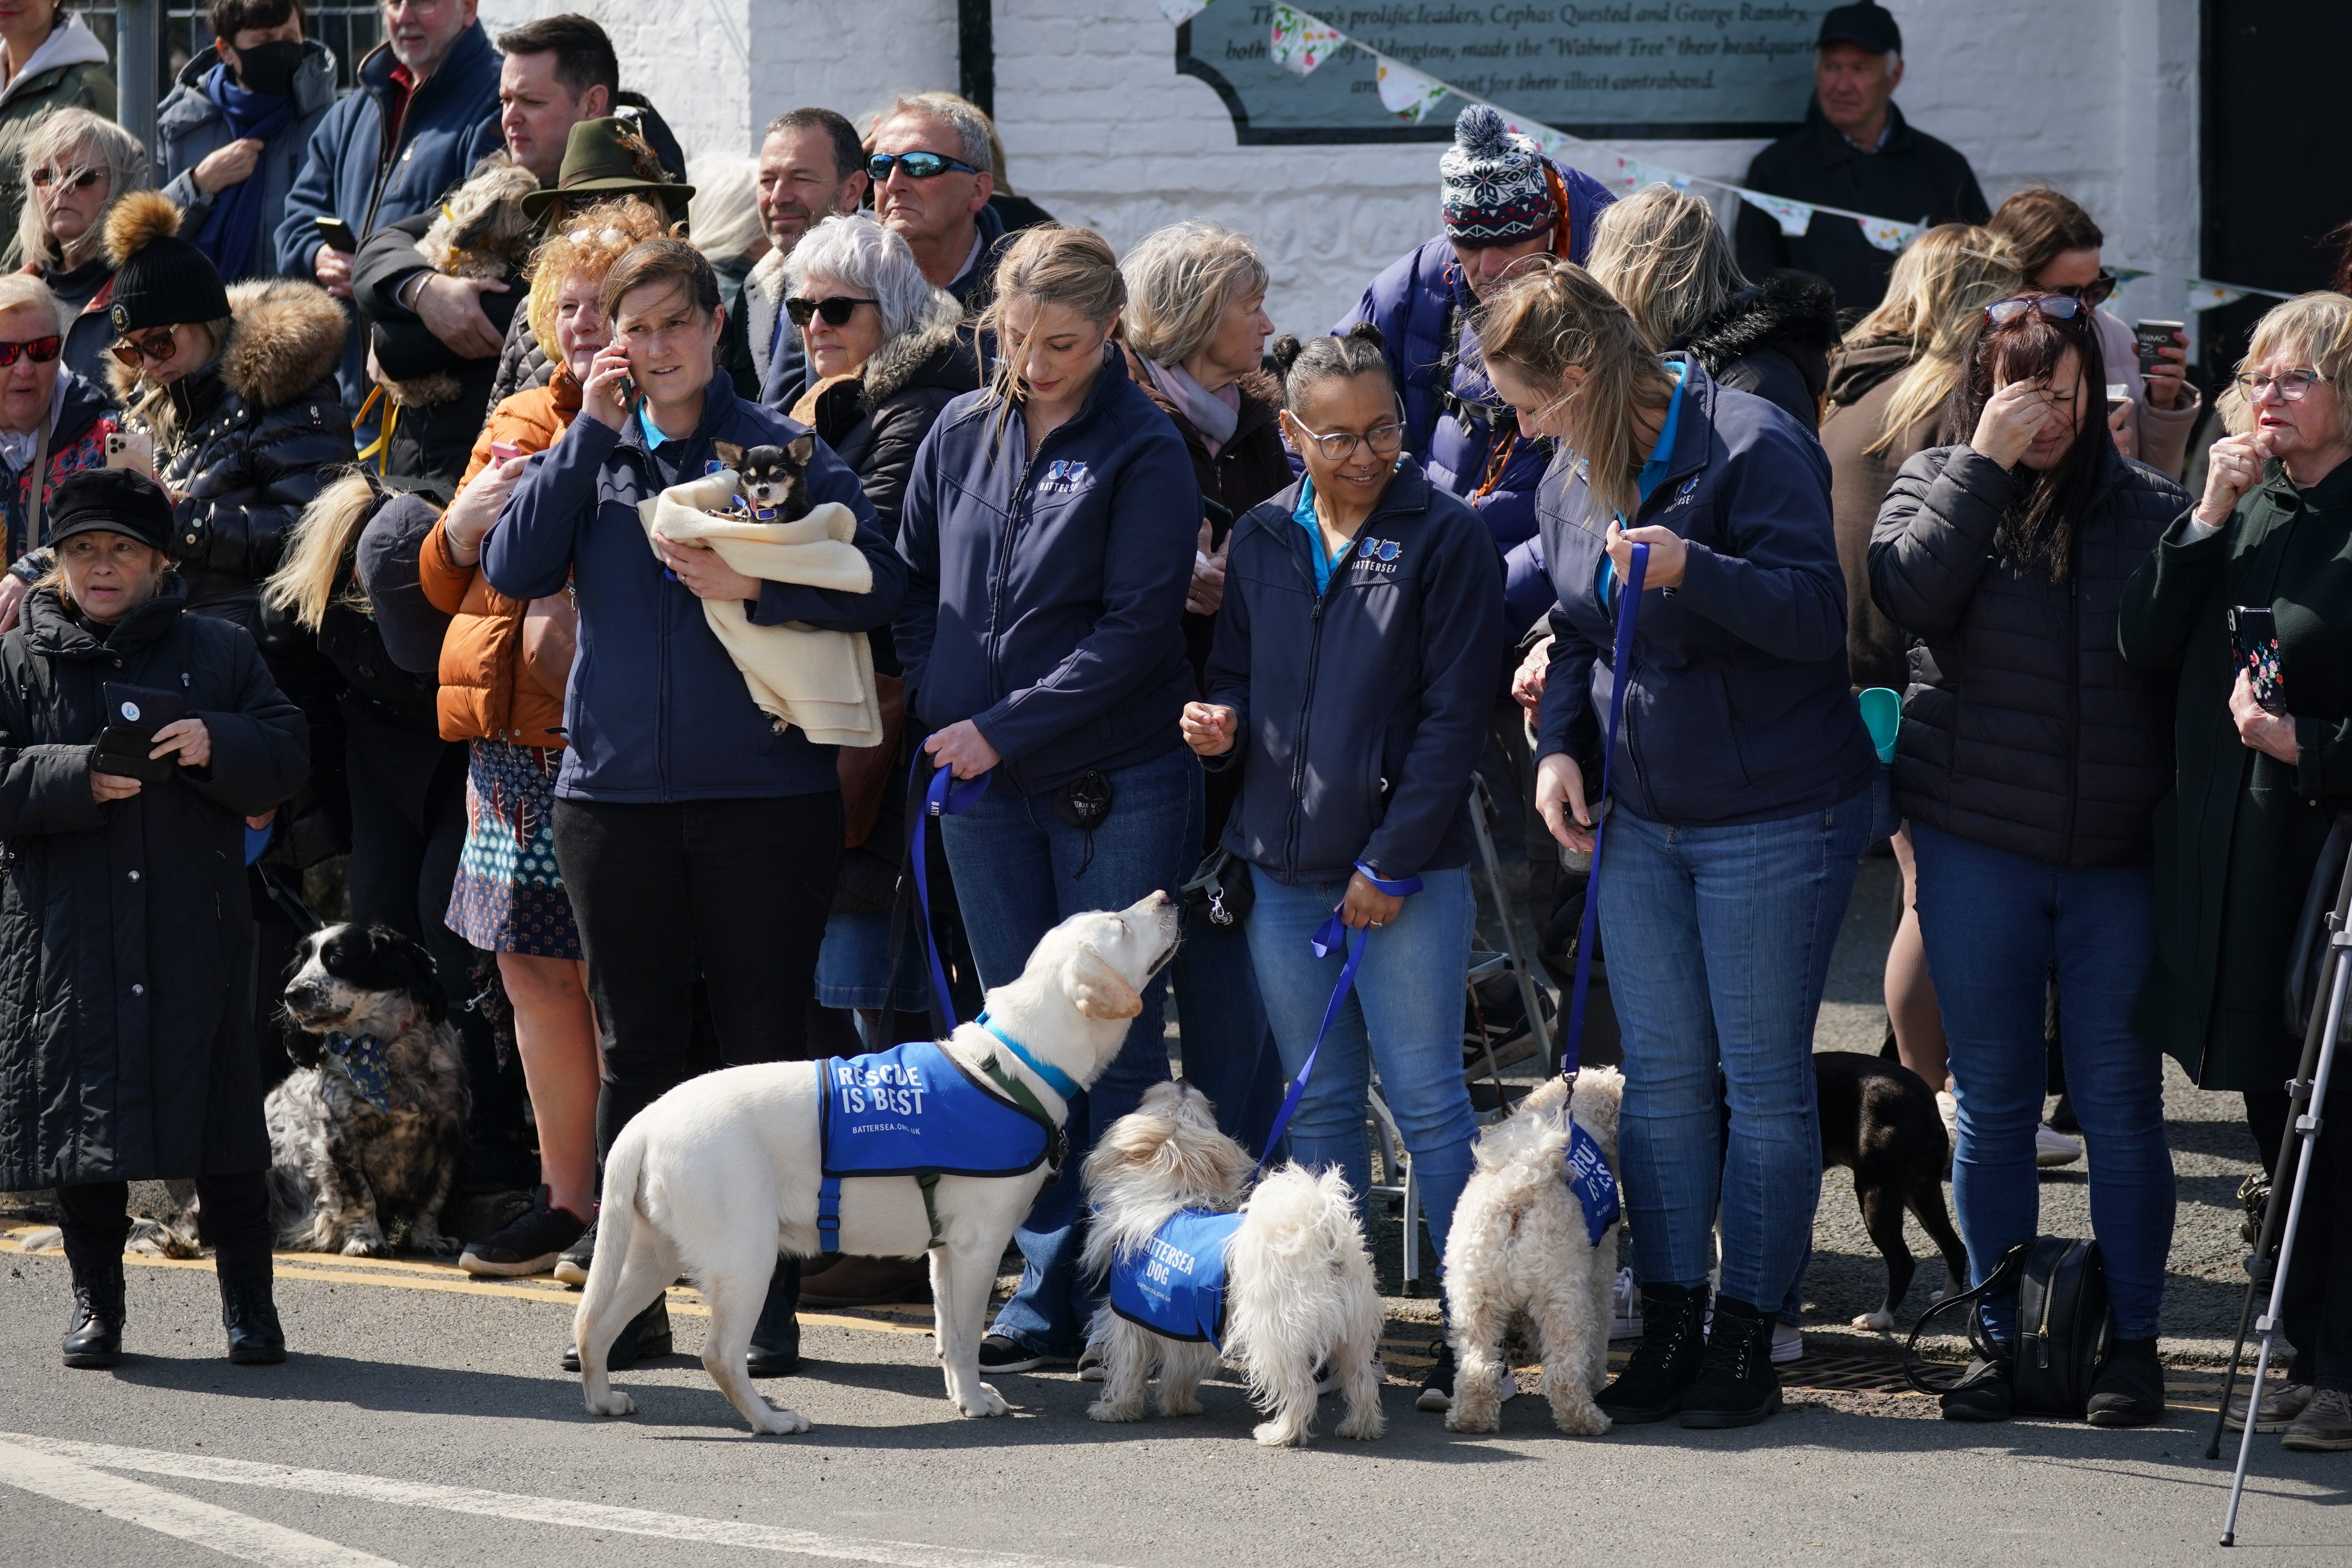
column 232, row 1217
column 2318, row 1315
column 732, row 892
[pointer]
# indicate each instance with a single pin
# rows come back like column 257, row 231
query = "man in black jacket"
column 1855, row 151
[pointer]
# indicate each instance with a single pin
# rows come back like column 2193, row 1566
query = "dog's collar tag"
column 1596, row 1187
column 363, row 1057
column 1058, row 1080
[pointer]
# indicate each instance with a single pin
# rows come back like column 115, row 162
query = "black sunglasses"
column 919, row 166
column 159, row 346
column 72, row 180
column 2057, row 307
column 2097, row 291
column 40, row 351
column 836, row 310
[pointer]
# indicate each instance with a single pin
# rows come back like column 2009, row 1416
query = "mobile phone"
column 130, row 449
column 133, row 714
column 2149, row 336
column 337, row 234
column 2118, row 394
column 500, row 451
column 2253, row 638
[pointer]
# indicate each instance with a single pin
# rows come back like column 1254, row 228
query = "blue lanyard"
column 944, row 797
column 1629, row 610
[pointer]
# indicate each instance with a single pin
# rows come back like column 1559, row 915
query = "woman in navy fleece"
column 1048, row 529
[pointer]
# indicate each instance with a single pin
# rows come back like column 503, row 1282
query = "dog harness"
column 915, row 1110
column 1174, row 1284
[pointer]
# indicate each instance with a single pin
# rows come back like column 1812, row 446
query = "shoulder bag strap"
column 2003, row 1277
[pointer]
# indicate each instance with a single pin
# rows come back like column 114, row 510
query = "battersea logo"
column 1377, row 557
column 1061, row 476
column 1683, row 496
column 891, row 1086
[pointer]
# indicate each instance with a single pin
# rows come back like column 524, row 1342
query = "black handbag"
column 1220, row 892
column 2063, row 1326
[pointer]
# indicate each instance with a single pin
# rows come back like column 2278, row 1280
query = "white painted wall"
column 2098, row 96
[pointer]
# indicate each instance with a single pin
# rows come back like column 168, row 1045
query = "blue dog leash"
column 1331, row 934
column 944, row 797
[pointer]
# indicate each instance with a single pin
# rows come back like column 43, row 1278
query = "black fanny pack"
column 2063, row 1326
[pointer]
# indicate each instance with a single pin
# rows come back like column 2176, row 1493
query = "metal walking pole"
column 2306, row 1095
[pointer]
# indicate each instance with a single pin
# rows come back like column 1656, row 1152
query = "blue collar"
column 1661, row 455
column 1058, row 1080
column 655, row 438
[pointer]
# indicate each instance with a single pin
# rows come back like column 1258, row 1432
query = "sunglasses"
column 40, row 351
column 2057, row 307
column 77, row 179
column 2097, row 291
column 837, row 310
column 919, row 166
column 158, row 347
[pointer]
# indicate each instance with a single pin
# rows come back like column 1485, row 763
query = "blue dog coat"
column 1174, row 1284
column 915, row 1110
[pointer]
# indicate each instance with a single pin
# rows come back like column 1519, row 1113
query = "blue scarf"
column 228, row 235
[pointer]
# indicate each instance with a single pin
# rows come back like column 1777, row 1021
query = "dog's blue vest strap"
column 1629, row 611
column 944, row 797
column 828, row 1216
column 1058, row 1080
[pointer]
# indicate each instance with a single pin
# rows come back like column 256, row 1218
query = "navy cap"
column 1872, row 26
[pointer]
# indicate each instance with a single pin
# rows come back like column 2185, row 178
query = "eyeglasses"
column 1385, row 440
column 2097, row 291
column 836, row 310
column 71, row 179
column 2289, row 384
column 40, row 351
column 2057, row 307
column 919, row 166
column 158, row 346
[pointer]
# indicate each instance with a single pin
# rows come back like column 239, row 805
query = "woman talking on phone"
column 695, row 839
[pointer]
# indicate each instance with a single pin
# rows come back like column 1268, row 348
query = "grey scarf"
column 1209, row 412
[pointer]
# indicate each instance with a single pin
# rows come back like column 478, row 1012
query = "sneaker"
column 1090, row 1364
column 1437, row 1388
column 1982, row 1392
column 571, row 1264
column 1665, row 1364
column 2325, row 1426
column 1624, row 1308
column 530, row 1244
column 1736, row 1386
column 2051, row 1147
column 998, row 1353
column 1948, row 1106
column 1788, row 1342
column 641, row 1338
column 2128, row 1388
column 2278, row 1411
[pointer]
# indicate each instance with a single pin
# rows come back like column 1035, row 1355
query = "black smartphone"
column 133, row 715
column 337, row 234
column 2253, row 636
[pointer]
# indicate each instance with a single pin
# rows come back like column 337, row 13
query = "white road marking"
column 221, row 1530
column 524, row 1510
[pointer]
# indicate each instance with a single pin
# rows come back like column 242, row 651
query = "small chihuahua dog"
column 772, row 481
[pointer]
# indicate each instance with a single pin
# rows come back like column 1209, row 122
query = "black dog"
column 773, row 481
column 1879, row 1121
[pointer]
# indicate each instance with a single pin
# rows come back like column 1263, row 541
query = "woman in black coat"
column 126, row 1042
column 2032, row 758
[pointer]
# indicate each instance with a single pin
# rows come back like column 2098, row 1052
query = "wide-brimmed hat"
column 604, row 158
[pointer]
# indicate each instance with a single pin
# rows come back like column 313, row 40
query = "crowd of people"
column 404, row 365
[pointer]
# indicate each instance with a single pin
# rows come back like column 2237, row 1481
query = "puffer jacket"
column 248, row 440
column 1771, row 338
column 1453, row 417
column 876, row 421
column 126, row 933
column 2023, row 728
column 482, row 654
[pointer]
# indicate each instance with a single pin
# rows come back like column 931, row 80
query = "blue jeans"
column 1994, row 924
column 853, row 968
column 1017, row 876
column 1405, row 1013
column 1718, row 942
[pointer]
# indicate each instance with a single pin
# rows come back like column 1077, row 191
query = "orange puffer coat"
column 487, row 692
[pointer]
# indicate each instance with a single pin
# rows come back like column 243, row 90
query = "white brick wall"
column 2095, row 96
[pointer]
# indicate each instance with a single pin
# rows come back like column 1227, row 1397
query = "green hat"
column 605, row 158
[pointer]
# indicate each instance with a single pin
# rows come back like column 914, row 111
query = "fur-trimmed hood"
column 285, row 336
column 899, row 361
column 1792, row 314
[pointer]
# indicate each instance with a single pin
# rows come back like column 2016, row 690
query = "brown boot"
column 868, row 1282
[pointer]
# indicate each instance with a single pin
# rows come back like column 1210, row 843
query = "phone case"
column 122, row 750
column 130, row 449
column 2253, row 635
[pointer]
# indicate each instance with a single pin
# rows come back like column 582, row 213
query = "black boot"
column 643, row 1336
column 2129, row 1389
column 1665, row 1364
column 776, row 1338
column 1982, row 1393
column 94, row 1337
column 251, row 1319
column 1736, row 1385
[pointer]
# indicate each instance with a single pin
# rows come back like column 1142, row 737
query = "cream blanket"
column 821, row 680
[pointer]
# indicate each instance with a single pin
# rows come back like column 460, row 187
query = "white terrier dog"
column 1519, row 1244
column 1300, row 1291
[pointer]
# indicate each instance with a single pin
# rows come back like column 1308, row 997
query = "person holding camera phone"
column 135, row 740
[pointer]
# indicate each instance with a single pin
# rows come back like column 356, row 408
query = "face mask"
column 269, row 68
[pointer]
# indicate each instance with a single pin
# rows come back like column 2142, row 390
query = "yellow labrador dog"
column 718, row 1176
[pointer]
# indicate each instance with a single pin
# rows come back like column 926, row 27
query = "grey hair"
column 972, row 129
column 723, row 215
column 25, row 291
column 81, row 140
column 862, row 255
column 1180, row 280
column 1307, row 365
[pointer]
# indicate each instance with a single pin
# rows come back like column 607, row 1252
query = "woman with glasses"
column 50, row 64
column 2257, row 785
column 76, row 165
column 2030, row 761
column 1357, row 653
column 1742, row 794
column 2058, row 248
column 1049, row 530
column 52, row 424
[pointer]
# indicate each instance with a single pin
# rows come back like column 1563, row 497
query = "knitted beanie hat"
column 1498, row 189
column 160, row 279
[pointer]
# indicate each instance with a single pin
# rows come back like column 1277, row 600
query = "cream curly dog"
column 1519, row 1244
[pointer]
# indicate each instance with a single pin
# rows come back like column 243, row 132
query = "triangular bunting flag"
column 2127, row 274
column 1794, row 218
column 1302, row 42
column 2205, row 296
column 1179, row 11
column 1405, row 92
column 1888, row 234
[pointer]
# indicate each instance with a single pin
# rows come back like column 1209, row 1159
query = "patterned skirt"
column 509, row 896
